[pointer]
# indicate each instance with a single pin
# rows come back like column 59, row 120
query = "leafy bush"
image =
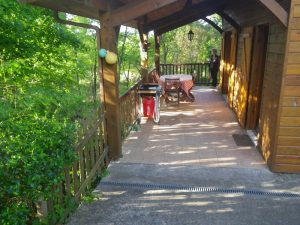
column 34, row 152
column 45, row 86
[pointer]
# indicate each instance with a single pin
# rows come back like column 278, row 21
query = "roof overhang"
column 159, row 15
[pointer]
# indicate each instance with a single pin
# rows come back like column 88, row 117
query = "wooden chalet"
column 260, row 71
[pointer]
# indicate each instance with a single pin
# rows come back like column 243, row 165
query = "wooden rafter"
column 136, row 9
column 85, row 8
column 277, row 10
column 77, row 8
column 99, row 4
column 182, row 22
column 213, row 24
column 187, row 11
column 231, row 21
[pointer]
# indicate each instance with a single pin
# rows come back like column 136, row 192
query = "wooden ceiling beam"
column 182, row 22
column 277, row 10
column 188, row 11
column 99, row 4
column 64, row 6
column 136, row 9
column 231, row 21
column 213, row 24
column 86, row 8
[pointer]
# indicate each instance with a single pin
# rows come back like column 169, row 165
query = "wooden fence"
column 92, row 157
column 129, row 109
column 200, row 71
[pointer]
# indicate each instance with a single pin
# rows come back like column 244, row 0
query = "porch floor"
column 198, row 133
column 156, row 180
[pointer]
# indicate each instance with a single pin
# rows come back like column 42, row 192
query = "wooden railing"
column 92, row 157
column 200, row 71
column 129, row 109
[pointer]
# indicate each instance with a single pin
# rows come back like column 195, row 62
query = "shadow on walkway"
column 189, row 170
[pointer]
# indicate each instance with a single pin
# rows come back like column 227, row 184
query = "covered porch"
column 259, row 67
column 259, row 78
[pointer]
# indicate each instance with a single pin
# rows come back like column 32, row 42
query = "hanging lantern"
column 111, row 58
column 190, row 35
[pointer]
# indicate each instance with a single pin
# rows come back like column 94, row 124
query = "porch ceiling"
column 159, row 15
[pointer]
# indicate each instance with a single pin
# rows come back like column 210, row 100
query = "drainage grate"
column 201, row 189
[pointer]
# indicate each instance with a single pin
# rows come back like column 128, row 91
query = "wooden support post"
column 111, row 88
column 144, row 54
column 157, row 52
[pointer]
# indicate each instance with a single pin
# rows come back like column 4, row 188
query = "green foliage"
column 129, row 58
column 48, row 81
column 34, row 152
column 176, row 48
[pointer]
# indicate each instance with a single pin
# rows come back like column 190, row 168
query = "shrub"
column 34, row 152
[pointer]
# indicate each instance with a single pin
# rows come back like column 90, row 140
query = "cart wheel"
column 138, row 121
column 156, row 116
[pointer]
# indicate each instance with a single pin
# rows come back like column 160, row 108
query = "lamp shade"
column 111, row 58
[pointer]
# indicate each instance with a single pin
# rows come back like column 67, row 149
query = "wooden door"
column 243, row 76
column 232, row 65
column 222, row 62
column 257, row 75
column 225, row 61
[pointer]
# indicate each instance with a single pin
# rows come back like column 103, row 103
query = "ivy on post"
column 111, row 87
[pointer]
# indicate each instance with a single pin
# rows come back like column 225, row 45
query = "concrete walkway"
column 189, row 170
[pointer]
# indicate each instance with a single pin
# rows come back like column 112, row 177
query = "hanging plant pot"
column 102, row 53
column 111, row 58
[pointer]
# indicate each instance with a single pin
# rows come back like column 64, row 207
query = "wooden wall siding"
column 222, row 62
column 271, row 90
column 242, row 79
column 257, row 75
column 250, row 13
column 226, row 47
column 287, row 155
column 232, row 65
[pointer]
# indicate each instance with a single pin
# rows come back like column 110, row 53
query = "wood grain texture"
column 289, row 121
column 290, row 111
column 289, row 131
column 135, row 9
column 289, row 150
column 287, row 159
column 288, row 141
column 286, row 168
column 111, row 88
